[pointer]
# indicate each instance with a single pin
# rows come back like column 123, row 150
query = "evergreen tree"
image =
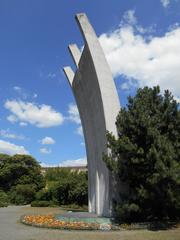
column 146, row 156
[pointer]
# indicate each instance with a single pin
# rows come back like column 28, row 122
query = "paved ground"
column 12, row 229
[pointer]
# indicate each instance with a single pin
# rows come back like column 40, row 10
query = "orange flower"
column 50, row 221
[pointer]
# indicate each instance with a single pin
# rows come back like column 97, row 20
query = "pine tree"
column 146, row 156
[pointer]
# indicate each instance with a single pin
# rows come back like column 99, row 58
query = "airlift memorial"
column 98, row 104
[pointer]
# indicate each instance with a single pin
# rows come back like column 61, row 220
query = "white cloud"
column 129, row 17
column 11, row 149
column 73, row 113
column 177, row 99
column 23, row 93
column 80, row 162
column 72, row 163
column 79, row 131
column 144, row 62
column 45, row 150
column 38, row 115
column 11, row 118
column 34, row 95
column 51, row 75
column 8, row 134
column 165, row 3
column 17, row 88
column 46, row 165
column 23, row 124
column 47, row 140
column 124, row 86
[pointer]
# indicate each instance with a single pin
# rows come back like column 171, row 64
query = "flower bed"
column 49, row 221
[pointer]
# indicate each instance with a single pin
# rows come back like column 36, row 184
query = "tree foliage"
column 146, row 156
column 72, row 189
column 64, row 187
column 3, row 199
column 21, row 182
column 20, row 177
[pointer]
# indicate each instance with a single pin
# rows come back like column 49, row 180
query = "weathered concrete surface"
column 98, row 105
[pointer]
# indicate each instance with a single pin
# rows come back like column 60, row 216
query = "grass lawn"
column 11, row 228
column 172, row 234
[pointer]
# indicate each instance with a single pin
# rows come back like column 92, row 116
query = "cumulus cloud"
column 41, row 116
column 11, row 149
column 23, row 124
column 74, row 163
column 46, row 165
column 80, row 162
column 79, row 131
column 7, row 134
column 12, row 118
column 17, row 88
column 23, row 93
column 51, row 75
column 124, row 86
column 45, row 150
column 47, row 140
column 73, row 113
column 165, row 3
column 142, row 60
column 129, row 17
column 34, row 95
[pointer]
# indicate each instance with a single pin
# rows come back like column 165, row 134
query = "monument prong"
column 75, row 53
column 98, row 104
column 84, row 25
column 69, row 74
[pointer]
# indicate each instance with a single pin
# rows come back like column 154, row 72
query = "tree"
column 72, row 188
column 63, row 187
column 20, row 175
column 3, row 157
column 22, row 194
column 146, row 156
column 20, row 169
column 3, row 199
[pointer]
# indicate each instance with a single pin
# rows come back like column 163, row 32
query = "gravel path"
column 12, row 229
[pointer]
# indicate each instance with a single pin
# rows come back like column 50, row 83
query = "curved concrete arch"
column 98, row 104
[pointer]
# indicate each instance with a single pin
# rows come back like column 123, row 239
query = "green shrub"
column 2, row 204
column 72, row 189
column 44, row 195
column 42, row 203
column 74, row 207
column 3, row 199
column 22, row 194
column 65, row 187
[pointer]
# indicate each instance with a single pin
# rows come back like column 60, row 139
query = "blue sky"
column 38, row 115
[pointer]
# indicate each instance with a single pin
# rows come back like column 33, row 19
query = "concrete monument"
column 98, row 103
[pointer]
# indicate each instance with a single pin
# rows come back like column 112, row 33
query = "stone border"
column 55, row 224
column 63, row 225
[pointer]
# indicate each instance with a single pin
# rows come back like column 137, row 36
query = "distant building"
column 71, row 168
